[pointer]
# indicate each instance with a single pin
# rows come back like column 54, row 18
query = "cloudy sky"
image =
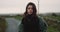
column 18, row 6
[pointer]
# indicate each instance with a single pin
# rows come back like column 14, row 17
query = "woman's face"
column 30, row 9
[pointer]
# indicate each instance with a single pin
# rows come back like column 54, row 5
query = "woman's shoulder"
column 43, row 24
column 23, row 17
column 40, row 17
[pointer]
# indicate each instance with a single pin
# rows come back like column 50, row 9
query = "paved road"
column 12, row 25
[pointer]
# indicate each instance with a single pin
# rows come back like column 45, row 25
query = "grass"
column 54, row 28
column 55, row 17
column 50, row 28
column 3, row 25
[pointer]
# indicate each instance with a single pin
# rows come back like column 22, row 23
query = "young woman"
column 30, row 21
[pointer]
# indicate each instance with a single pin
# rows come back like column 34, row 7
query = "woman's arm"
column 43, row 24
column 21, row 26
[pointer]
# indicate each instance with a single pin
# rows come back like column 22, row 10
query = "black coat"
column 30, row 24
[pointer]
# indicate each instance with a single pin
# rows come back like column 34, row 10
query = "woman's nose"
column 30, row 9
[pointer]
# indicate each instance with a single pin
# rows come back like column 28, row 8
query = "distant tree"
column 53, row 14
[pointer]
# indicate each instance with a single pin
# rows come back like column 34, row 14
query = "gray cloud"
column 20, row 5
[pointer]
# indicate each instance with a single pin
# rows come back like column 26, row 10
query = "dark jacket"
column 31, row 23
column 42, row 25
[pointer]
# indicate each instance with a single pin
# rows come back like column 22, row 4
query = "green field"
column 53, row 22
column 51, row 25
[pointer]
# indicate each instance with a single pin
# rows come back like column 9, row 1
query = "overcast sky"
column 18, row 6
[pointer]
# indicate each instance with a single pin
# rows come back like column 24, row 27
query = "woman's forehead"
column 30, row 6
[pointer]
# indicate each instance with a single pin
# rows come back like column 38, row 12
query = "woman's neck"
column 29, row 15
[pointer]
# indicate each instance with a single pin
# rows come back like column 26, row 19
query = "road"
column 13, row 25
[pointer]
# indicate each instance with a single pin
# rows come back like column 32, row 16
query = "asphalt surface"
column 13, row 25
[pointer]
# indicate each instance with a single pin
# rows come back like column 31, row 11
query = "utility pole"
column 38, row 6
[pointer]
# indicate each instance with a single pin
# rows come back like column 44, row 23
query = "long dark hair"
column 34, row 9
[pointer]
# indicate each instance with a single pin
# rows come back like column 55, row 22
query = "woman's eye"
column 28, row 8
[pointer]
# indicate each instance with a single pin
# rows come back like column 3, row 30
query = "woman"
column 30, row 21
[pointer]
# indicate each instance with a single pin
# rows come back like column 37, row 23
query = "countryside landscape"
column 52, row 19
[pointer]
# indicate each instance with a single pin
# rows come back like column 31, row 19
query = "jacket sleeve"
column 43, row 24
column 21, row 26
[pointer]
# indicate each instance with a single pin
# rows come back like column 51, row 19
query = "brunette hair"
column 34, row 9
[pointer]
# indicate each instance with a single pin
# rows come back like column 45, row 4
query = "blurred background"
column 11, row 13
